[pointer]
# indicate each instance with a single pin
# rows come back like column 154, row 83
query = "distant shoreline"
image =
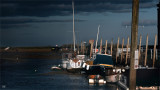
column 15, row 54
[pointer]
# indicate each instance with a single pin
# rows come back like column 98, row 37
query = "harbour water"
column 35, row 74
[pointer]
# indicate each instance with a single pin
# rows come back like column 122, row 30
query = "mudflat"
column 18, row 54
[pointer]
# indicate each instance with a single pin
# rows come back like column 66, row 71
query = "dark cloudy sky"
column 49, row 22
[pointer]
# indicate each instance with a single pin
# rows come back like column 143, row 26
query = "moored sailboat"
column 74, row 62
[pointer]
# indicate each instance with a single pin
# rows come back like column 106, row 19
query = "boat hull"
column 64, row 64
column 112, row 78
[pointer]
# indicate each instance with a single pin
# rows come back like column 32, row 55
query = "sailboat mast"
column 73, row 27
column 97, row 39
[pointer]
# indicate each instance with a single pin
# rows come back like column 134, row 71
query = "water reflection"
column 36, row 74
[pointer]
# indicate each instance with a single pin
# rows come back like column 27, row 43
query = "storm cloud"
column 44, row 8
column 14, row 12
column 11, row 22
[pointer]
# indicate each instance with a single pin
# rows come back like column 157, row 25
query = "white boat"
column 65, row 59
column 55, row 68
column 72, row 63
column 76, row 62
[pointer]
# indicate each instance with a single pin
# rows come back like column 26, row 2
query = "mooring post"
column 106, row 48
column 122, row 50
column 83, row 50
column 134, row 34
column 117, row 49
column 145, row 61
column 139, row 51
column 111, row 46
column 127, row 50
column 154, row 52
column 91, row 50
column 77, row 48
column 81, row 46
